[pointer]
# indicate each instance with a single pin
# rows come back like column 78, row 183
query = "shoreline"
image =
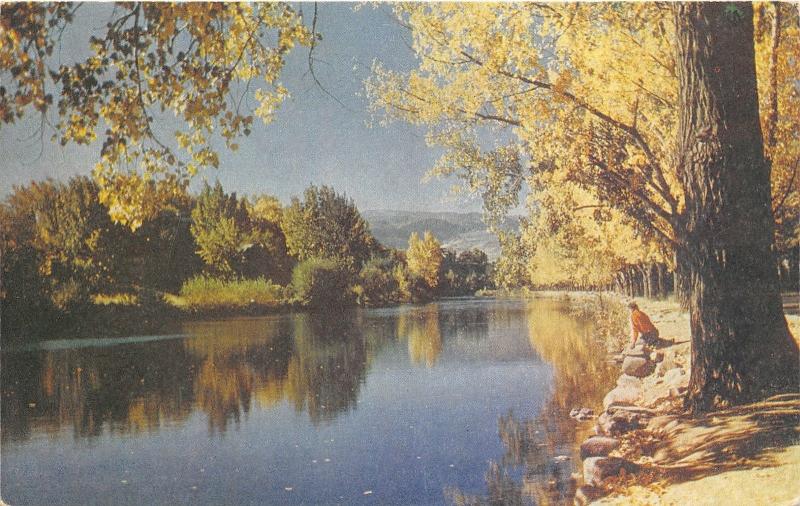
column 647, row 451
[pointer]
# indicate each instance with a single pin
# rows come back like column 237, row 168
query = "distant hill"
column 456, row 231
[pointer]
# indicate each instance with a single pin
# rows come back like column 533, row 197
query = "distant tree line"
column 63, row 256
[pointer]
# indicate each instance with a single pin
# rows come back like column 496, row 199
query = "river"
column 458, row 401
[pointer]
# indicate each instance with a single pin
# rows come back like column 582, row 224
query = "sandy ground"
column 774, row 483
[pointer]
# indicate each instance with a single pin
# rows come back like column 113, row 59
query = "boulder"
column 637, row 366
column 598, row 446
column 581, row 414
column 675, row 377
column 619, row 422
column 626, row 380
column 626, row 395
column 640, row 350
column 597, row 469
column 587, row 494
column 657, row 356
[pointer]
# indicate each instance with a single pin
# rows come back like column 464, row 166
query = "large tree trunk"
column 741, row 346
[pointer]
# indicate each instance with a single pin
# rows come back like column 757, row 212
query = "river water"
column 459, row 401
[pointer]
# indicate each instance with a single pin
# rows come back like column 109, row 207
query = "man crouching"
column 642, row 326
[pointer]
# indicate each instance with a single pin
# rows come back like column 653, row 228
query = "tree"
column 193, row 61
column 222, row 230
column 321, row 283
column 511, row 269
column 741, row 346
column 276, row 263
column 590, row 96
column 425, row 257
column 327, row 225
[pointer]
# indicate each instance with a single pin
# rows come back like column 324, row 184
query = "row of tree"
column 61, row 250
column 644, row 134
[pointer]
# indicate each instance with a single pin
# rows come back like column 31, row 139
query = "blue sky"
column 313, row 139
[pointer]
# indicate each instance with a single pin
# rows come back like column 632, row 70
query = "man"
column 641, row 325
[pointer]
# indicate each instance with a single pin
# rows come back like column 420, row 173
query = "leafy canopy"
column 576, row 103
column 200, row 63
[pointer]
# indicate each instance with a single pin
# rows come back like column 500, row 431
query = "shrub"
column 321, row 282
column 410, row 286
column 205, row 293
column 377, row 285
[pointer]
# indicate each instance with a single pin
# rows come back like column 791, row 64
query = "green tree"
column 162, row 253
column 59, row 246
column 275, row 262
column 322, row 283
column 376, row 284
column 222, row 230
column 425, row 257
column 22, row 288
column 327, row 225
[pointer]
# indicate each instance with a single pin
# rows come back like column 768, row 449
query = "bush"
column 321, row 282
column 377, row 285
column 410, row 287
column 206, row 293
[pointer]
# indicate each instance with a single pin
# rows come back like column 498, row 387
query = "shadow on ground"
column 746, row 436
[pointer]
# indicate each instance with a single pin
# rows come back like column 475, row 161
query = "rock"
column 598, row 446
column 588, row 493
column 677, row 392
column 674, row 377
column 581, row 414
column 640, row 350
column 597, row 469
column 622, row 395
column 667, row 363
column 637, row 366
column 619, row 422
column 657, row 356
column 626, row 380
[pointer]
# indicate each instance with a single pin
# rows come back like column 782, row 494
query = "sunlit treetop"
column 570, row 97
column 213, row 68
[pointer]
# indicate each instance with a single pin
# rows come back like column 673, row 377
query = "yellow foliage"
column 425, row 257
column 586, row 94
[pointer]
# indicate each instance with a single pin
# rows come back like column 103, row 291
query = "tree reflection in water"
column 581, row 378
column 317, row 363
column 420, row 327
column 95, row 389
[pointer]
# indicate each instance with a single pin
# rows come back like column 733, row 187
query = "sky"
column 313, row 139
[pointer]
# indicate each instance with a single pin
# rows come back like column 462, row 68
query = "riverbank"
column 649, row 452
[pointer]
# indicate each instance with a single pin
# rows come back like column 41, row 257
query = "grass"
column 116, row 299
column 206, row 293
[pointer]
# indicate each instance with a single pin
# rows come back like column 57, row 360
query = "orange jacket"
column 640, row 323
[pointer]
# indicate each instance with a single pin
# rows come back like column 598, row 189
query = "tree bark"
column 741, row 346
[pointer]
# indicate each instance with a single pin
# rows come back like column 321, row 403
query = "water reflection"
column 544, row 447
column 317, row 363
column 96, row 389
column 420, row 327
column 310, row 370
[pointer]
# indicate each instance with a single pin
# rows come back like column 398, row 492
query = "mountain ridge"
column 456, row 231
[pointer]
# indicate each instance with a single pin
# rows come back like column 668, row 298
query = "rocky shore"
column 644, row 444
